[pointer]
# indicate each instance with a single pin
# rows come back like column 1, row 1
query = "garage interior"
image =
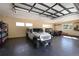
column 61, row 18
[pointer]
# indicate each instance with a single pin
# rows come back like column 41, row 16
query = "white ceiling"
column 41, row 7
column 68, row 5
column 57, row 7
column 6, row 10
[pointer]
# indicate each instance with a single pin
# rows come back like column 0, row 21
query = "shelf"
column 4, row 39
column 3, row 31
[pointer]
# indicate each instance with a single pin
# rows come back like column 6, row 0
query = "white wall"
column 15, row 31
column 68, row 31
column 70, row 17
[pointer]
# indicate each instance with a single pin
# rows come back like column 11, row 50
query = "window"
column 19, row 24
column 67, row 26
column 29, row 24
column 46, row 25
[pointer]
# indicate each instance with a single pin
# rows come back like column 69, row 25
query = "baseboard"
column 72, row 35
column 16, row 37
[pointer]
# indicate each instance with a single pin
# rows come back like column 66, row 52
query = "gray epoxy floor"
column 61, row 46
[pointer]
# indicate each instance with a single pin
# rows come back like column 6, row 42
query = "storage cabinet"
column 3, row 32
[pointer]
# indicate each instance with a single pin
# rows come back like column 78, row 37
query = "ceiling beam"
column 37, row 8
column 32, row 7
column 77, row 7
column 51, row 8
column 13, row 7
column 20, row 7
column 70, row 8
column 33, row 11
column 67, row 8
column 53, row 14
column 49, row 15
column 64, row 7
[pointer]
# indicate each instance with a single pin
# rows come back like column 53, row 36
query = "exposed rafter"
column 33, row 11
column 52, row 14
column 13, row 7
column 64, row 7
column 67, row 8
column 38, row 9
column 21, row 7
column 51, row 8
column 32, row 7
